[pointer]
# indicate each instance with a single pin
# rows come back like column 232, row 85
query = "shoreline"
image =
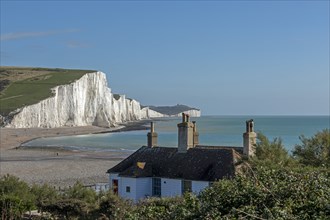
column 57, row 166
column 13, row 138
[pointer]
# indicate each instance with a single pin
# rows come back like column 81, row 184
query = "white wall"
column 197, row 186
column 140, row 187
column 130, row 182
column 143, row 188
column 171, row 187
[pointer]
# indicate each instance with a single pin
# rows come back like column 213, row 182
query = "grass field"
column 28, row 86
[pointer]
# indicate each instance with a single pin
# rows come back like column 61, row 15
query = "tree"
column 15, row 197
column 78, row 191
column 180, row 207
column 76, row 202
column 44, row 195
column 314, row 151
column 67, row 208
column 271, row 153
column 112, row 206
column 85, row 199
column 269, row 194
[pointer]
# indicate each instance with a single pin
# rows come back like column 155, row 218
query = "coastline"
column 56, row 166
column 12, row 138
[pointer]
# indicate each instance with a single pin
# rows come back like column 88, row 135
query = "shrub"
column 314, row 151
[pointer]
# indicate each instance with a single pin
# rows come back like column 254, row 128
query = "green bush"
column 314, row 151
column 112, row 207
column 271, row 153
column 269, row 194
column 185, row 207
column 15, row 197
column 44, row 195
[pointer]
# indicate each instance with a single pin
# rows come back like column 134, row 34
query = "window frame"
column 156, row 187
column 186, row 186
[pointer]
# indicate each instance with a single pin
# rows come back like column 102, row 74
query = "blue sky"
column 225, row 57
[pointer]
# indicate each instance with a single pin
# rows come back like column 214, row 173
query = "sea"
column 213, row 130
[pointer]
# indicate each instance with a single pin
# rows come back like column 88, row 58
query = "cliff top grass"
column 22, row 86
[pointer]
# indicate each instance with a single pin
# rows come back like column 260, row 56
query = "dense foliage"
column 271, row 153
column 15, row 197
column 274, row 186
column 269, row 194
column 314, row 151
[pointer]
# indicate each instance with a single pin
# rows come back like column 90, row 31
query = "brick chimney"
column 185, row 134
column 249, row 139
column 152, row 136
column 196, row 134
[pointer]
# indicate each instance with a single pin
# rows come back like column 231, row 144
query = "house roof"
column 205, row 163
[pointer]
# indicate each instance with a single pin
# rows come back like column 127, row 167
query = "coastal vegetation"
column 274, row 185
column 21, row 86
column 314, row 151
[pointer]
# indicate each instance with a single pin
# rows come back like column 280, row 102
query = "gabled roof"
column 199, row 163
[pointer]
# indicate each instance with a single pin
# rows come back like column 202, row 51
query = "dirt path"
column 11, row 97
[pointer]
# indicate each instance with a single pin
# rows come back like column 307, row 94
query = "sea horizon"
column 215, row 130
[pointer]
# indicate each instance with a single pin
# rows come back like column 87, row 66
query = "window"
column 186, row 186
column 156, row 187
column 128, row 189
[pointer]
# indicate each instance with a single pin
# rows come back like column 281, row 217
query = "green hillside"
column 21, row 86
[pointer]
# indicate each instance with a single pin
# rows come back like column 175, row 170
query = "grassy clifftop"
column 21, row 86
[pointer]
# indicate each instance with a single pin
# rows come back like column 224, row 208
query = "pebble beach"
column 56, row 167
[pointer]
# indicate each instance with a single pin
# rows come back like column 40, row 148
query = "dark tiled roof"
column 238, row 149
column 199, row 163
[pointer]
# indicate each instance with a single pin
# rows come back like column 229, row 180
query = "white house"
column 166, row 171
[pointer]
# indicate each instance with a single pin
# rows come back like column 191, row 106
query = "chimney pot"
column 185, row 135
column 152, row 127
column 183, row 117
column 249, row 139
column 195, row 128
column 195, row 134
column 152, row 136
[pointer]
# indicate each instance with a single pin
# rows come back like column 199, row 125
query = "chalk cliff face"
column 87, row 101
column 191, row 113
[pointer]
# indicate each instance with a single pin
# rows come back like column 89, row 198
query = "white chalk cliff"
column 191, row 113
column 87, row 101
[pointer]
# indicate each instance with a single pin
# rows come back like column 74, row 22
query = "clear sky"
column 224, row 57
